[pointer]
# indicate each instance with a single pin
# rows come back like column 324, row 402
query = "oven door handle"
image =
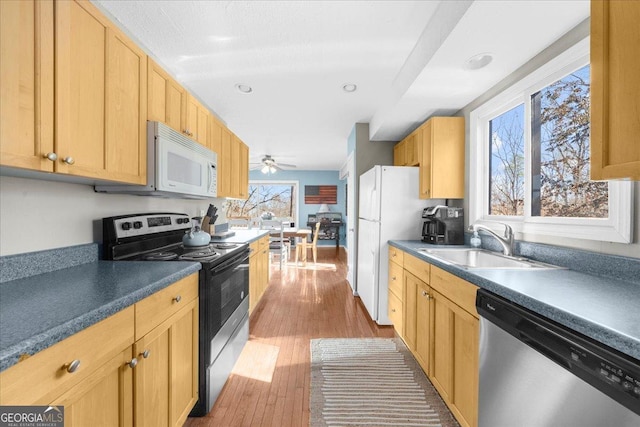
column 231, row 263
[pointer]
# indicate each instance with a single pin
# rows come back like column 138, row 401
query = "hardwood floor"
column 269, row 385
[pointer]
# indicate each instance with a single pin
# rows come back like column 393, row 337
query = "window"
column 267, row 198
column 530, row 157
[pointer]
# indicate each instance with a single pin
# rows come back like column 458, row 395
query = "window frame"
column 616, row 228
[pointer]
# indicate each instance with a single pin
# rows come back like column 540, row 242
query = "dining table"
column 301, row 235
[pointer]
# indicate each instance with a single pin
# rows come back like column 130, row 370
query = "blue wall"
column 311, row 178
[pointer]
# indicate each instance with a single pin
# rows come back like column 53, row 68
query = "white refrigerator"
column 389, row 209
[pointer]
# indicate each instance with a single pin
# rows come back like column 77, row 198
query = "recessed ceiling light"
column 478, row 61
column 349, row 87
column 242, row 88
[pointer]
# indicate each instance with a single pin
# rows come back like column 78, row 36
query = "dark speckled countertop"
column 604, row 308
column 40, row 310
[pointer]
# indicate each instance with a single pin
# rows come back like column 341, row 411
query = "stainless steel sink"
column 479, row 258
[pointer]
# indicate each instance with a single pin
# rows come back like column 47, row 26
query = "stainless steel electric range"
column 223, row 287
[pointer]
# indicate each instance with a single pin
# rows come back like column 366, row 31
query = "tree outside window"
column 559, row 157
column 266, row 200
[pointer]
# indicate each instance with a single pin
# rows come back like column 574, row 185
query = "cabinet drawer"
column 154, row 309
column 417, row 267
column 263, row 242
column 395, row 312
column 456, row 289
column 254, row 247
column 44, row 376
column 396, row 274
column 396, row 255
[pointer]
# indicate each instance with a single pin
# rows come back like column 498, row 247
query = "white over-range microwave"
column 177, row 166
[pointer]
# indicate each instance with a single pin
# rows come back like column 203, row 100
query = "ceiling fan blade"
column 286, row 165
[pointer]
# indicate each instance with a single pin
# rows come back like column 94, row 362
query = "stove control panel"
column 141, row 225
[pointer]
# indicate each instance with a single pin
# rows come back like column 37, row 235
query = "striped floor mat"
column 371, row 382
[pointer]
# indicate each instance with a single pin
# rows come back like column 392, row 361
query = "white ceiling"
column 406, row 57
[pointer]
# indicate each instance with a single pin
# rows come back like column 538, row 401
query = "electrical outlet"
column 201, row 213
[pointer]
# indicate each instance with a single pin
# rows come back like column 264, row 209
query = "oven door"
column 223, row 289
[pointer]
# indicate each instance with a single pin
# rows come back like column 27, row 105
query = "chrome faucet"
column 506, row 241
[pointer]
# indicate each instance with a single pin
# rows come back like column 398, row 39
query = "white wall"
column 578, row 33
column 38, row 214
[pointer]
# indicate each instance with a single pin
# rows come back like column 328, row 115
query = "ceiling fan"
column 269, row 165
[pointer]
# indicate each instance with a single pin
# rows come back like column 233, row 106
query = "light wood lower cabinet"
column 166, row 378
column 103, row 378
column 423, row 326
column 440, row 326
column 104, row 398
column 258, row 271
column 411, row 283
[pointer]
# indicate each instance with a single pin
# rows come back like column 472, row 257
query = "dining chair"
column 313, row 247
column 278, row 244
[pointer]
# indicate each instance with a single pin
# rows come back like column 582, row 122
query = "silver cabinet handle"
column 426, row 295
column 393, row 278
column 51, row 156
column 178, row 298
column 393, row 310
column 132, row 363
column 73, row 366
column 69, row 160
column 145, row 353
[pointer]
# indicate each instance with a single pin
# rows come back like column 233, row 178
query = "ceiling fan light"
column 265, row 169
column 272, row 169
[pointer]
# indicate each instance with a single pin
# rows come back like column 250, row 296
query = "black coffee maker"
column 443, row 225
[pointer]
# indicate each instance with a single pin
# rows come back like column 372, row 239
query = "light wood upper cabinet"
column 197, row 121
column 167, row 100
column 243, row 169
column 442, row 158
column 407, row 151
column 615, row 89
column 26, row 84
column 215, row 135
column 400, row 153
column 101, row 92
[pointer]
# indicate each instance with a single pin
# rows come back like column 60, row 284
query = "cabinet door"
column 166, row 379
column 399, row 154
column 442, row 158
column 100, row 97
column 425, row 160
column 203, row 126
column 465, row 367
column 184, row 364
column 615, row 89
column 423, row 325
column 243, row 168
column 234, row 190
column 215, row 137
column 409, row 309
column 441, row 373
column 224, row 164
column 81, row 59
column 166, row 98
column 105, row 398
column 254, row 277
column 26, row 84
column 126, row 110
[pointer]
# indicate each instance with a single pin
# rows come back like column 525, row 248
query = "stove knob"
column 126, row 226
column 137, row 224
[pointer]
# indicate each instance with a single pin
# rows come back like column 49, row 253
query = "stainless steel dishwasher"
column 536, row 373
